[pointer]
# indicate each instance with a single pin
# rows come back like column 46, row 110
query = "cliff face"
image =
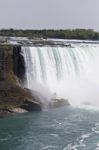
column 11, row 63
column 12, row 71
column 6, row 63
column 18, row 63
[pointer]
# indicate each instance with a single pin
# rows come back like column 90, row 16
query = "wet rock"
column 5, row 113
column 13, row 97
column 59, row 103
column 18, row 110
column 18, row 63
column 31, row 105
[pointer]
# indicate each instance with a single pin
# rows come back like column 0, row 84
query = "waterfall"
column 67, row 72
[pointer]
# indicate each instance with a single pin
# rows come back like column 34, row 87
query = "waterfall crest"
column 67, row 72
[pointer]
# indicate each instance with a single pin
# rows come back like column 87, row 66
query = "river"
column 55, row 129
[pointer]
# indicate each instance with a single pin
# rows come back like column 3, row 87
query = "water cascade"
column 65, row 72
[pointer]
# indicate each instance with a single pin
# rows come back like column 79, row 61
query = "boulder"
column 59, row 103
column 4, row 112
column 18, row 110
column 31, row 105
column 13, row 97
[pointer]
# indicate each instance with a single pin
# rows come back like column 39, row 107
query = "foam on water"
column 49, row 147
column 88, row 107
column 97, row 148
column 80, row 142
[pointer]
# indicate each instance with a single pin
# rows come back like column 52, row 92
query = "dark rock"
column 5, row 113
column 15, row 96
column 6, row 64
column 18, row 63
column 30, row 105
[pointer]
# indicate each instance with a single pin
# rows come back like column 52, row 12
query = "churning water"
column 67, row 72
column 55, row 129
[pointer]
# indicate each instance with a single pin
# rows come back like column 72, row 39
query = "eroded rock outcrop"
column 12, row 94
column 55, row 103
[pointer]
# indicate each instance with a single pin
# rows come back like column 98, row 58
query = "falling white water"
column 68, row 72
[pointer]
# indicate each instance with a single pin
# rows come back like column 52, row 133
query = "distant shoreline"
column 79, row 34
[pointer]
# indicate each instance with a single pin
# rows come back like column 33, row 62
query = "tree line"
column 84, row 34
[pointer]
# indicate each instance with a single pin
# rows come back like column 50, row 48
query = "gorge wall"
column 11, row 64
column 13, row 97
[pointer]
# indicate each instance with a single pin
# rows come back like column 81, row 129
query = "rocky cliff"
column 12, row 73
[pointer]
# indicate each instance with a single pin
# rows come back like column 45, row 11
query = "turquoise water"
column 54, row 129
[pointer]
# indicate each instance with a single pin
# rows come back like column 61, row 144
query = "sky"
column 49, row 14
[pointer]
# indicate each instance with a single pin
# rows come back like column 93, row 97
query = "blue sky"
column 49, row 14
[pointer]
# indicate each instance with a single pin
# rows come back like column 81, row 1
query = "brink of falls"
column 64, row 72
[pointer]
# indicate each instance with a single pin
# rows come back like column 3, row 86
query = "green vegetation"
column 85, row 34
